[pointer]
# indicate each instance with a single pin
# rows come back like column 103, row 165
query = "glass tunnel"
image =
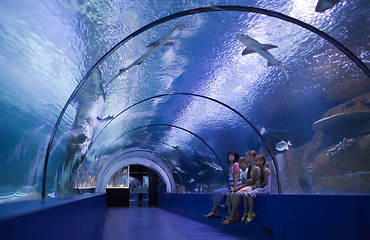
column 91, row 89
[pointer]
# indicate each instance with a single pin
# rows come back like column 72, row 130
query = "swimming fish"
column 177, row 148
column 213, row 165
column 180, row 170
column 195, row 164
column 110, row 117
column 263, row 130
column 153, row 47
column 253, row 46
column 202, row 172
column 191, row 180
column 323, row 5
column 282, row 145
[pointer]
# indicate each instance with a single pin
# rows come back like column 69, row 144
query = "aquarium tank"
column 89, row 88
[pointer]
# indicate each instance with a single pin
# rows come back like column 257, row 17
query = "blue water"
column 47, row 47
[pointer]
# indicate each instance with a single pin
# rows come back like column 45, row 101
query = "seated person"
column 245, row 174
column 264, row 186
column 238, row 192
column 219, row 196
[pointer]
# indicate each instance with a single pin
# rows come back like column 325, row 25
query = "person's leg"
column 245, row 214
column 218, row 198
column 251, row 214
column 234, row 215
column 215, row 212
column 229, row 204
column 218, row 210
column 250, row 202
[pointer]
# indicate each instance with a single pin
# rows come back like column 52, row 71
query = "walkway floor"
column 139, row 223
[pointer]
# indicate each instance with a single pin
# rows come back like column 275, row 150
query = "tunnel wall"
column 77, row 217
column 286, row 216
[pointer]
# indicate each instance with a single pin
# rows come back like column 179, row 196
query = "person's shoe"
column 227, row 216
column 226, row 222
column 250, row 217
column 230, row 221
column 245, row 215
column 212, row 215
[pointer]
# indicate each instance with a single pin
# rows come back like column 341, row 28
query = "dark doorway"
column 144, row 186
column 134, row 186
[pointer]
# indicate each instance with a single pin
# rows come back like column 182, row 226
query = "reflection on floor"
column 136, row 223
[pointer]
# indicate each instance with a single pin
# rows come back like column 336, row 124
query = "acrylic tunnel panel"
column 307, row 99
column 195, row 157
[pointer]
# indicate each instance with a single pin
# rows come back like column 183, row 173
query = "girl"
column 238, row 192
column 263, row 188
column 219, row 196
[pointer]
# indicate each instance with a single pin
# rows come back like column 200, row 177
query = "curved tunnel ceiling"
column 191, row 95
column 321, row 70
column 352, row 56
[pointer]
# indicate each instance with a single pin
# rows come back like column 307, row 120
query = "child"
column 237, row 193
column 245, row 176
column 263, row 188
column 219, row 196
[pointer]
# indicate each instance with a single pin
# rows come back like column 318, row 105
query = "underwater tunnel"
column 118, row 117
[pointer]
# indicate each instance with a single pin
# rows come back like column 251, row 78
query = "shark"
column 110, row 117
column 323, row 5
column 213, row 165
column 180, row 170
column 253, row 46
column 167, row 40
column 90, row 102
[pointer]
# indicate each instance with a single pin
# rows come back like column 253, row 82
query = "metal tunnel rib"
column 214, row 100
column 141, row 150
column 149, row 151
column 186, row 130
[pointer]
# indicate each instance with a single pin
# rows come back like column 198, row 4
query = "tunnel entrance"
column 134, row 186
column 144, row 186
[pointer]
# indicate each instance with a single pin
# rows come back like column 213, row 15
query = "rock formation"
column 337, row 159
